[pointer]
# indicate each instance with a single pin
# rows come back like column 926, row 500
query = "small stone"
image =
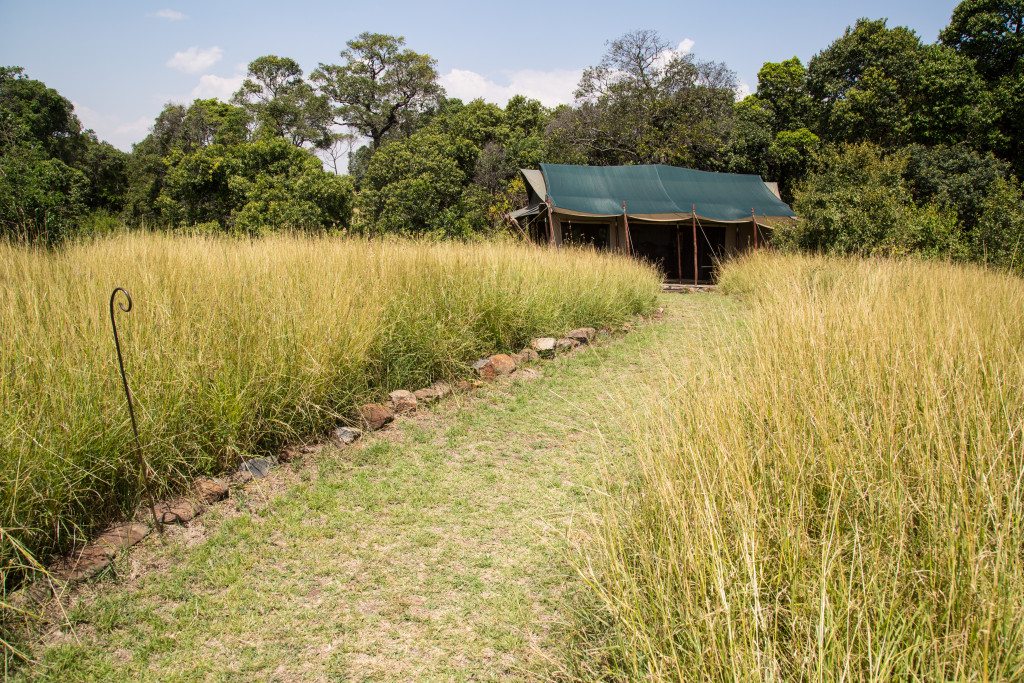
column 257, row 467
column 464, row 385
column 97, row 555
column 566, row 344
column 527, row 374
column 178, row 511
column 241, row 477
column 289, row 454
column 345, row 436
column 502, row 363
column 425, row 395
column 442, row 389
column 121, row 536
column 545, row 346
column 529, row 355
column 402, row 401
column 484, row 368
column 210, row 490
column 584, row 335
column 375, row 416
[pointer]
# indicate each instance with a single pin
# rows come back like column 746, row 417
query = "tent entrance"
column 669, row 247
column 596, row 235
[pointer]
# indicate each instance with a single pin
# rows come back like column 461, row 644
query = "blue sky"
column 119, row 61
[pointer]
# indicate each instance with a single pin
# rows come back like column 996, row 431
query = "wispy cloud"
column 195, row 59
column 169, row 15
column 550, row 87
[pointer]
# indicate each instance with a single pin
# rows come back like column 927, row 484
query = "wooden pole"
column 625, row 222
column 695, row 271
column 754, row 218
column 679, row 254
column 551, row 226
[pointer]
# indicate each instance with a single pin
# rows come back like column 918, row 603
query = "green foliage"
column 381, row 89
column 282, row 104
column 856, row 202
column 954, row 176
column 998, row 238
column 991, row 32
column 51, row 172
column 644, row 103
column 782, row 86
column 254, row 187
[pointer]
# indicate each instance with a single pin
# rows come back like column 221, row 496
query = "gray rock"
column 566, row 344
column 345, row 436
column 257, row 467
column 584, row 335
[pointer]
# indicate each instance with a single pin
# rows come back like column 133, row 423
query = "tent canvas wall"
column 681, row 219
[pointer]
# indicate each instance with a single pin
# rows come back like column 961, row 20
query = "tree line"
column 885, row 143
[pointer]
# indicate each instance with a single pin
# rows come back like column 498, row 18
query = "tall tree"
column 647, row 103
column 282, row 104
column 991, row 32
column 381, row 87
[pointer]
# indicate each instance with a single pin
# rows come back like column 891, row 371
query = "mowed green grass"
column 836, row 494
column 235, row 347
column 436, row 550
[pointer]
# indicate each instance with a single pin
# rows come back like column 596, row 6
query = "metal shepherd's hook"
column 126, row 306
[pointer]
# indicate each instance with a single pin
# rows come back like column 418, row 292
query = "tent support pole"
column 754, row 219
column 550, row 221
column 679, row 254
column 695, row 270
column 625, row 223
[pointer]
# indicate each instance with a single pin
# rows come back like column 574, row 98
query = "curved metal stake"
column 144, row 468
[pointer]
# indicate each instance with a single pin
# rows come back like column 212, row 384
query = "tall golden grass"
column 832, row 490
column 234, row 347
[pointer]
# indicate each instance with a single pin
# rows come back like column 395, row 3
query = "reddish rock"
column 502, row 363
column 485, row 369
column 425, row 395
column 584, row 335
column 210, row 490
column 528, row 355
column 178, row 511
column 375, row 416
column 98, row 554
column 402, row 401
column 464, row 385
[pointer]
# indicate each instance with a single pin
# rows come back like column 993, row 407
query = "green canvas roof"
column 657, row 192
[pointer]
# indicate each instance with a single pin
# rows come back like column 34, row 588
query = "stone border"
column 98, row 554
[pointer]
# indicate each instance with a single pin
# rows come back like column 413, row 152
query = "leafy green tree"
column 855, row 201
column 415, row 185
column 51, row 171
column 991, row 32
column 178, row 130
column 954, row 176
column 646, row 103
column 998, row 238
column 282, row 104
column 782, row 87
column 254, row 187
column 381, row 88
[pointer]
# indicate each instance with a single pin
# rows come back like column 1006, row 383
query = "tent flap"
column 656, row 190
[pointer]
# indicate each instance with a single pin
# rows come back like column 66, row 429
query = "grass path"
column 433, row 551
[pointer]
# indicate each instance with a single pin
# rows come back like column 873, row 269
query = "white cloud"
column 195, row 59
column 169, row 15
column 742, row 90
column 113, row 129
column 684, row 48
column 550, row 87
column 221, row 87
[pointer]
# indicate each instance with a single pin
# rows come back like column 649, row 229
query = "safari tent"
column 682, row 220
